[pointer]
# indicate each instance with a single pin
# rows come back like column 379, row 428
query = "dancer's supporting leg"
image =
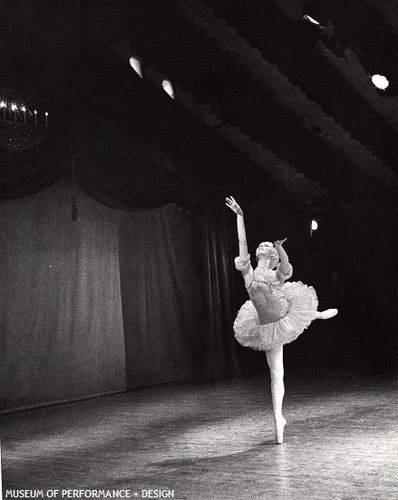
column 275, row 363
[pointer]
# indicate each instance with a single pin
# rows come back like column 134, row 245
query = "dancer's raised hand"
column 280, row 242
column 231, row 203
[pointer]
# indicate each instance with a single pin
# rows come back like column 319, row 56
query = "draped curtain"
column 378, row 230
column 221, row 357
column 61, row 322
column 162, row 295
column 377, row 223
column 115, row 300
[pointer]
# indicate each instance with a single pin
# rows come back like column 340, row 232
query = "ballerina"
column 277, row 312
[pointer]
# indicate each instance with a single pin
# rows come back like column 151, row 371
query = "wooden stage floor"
column 214, row 440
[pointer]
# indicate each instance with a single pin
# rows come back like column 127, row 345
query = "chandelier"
column 20, row 128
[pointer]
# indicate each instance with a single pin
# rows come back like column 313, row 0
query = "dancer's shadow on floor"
column 261, row 453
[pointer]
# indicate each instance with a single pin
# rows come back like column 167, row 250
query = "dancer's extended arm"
column 240, row 225
column 243, row 261
column 284, row 266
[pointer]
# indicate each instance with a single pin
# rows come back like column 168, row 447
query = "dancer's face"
column 265, row 250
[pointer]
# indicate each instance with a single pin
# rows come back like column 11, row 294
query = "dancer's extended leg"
column 329, row 313
column 275, row 363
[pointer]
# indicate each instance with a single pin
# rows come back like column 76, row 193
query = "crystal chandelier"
column 20, row 128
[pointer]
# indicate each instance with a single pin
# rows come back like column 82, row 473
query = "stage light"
column 310, row 19
column 380, row 82
column 314, row 225
column 168, row 88
column 135, row 63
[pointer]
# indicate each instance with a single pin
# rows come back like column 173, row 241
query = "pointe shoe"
column 279, row 427
column 329, row 313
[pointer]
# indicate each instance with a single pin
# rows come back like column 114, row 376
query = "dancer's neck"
column 263, row 265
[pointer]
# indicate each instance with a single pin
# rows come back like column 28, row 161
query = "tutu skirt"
column 303, row 304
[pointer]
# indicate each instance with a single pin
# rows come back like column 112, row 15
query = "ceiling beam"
column 279, row 169
column 290, row 97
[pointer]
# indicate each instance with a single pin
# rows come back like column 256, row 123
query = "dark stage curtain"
column 161, row 269
column 378, row 229
column 377, row 221
column 221, row 358
column 85, row 303
column 61, row 316
column 177, row 296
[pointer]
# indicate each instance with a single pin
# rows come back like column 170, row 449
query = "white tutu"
column 303, row 304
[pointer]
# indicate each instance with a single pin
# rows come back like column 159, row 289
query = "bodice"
column 265, row 292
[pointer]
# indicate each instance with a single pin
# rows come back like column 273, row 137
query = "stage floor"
column 213, row 440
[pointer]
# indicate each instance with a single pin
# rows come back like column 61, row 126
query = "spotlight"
column 380, row 82
column 135, row 63
column 310, row 19
column 314, row 225
column 168, row 88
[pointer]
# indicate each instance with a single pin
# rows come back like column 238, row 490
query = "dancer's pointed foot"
column 279, row 427
column 329, row 313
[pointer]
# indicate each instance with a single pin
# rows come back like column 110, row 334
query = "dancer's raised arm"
column 240, row 223
column 284, row 266
column 242, row 263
